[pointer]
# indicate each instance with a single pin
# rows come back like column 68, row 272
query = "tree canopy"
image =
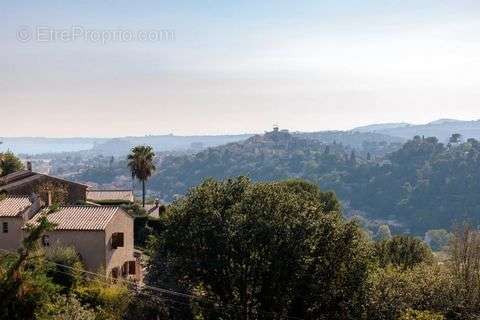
column 273, row 249
column 9, row 163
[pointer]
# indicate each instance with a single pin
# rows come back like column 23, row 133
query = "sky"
column 217, row 67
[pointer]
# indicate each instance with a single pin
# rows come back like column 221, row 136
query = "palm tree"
column 140, row 162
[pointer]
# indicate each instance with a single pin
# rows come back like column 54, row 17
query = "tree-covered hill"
column 423, row 185
column 273, row 156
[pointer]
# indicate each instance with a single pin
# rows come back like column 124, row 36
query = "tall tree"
column 262, row 251
column 140, row 162
column 9, row 163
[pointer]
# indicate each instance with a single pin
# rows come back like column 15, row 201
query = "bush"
column 411, row 314
column 402, row 251
column 424, row 287
column 66, row 308
column 110, row 299
column 66, row 269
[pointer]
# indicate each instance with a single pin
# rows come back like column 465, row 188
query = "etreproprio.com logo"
column 79, row 33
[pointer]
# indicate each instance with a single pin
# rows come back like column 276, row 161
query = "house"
column 110, row 196
column 27, row 182
column 15, row 211
column 102, row 235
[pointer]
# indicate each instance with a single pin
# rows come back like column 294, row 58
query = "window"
column 117, row 240
column 132, row 267
column 5, row 227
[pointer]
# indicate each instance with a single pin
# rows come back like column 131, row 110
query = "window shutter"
column 132, row 267
column 117, row 240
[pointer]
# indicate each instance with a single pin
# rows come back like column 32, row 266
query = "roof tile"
column 80, row 217
column 110, row 195
column 13, row 206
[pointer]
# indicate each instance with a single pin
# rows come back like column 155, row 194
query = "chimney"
column 49, row 198
column 29, row 165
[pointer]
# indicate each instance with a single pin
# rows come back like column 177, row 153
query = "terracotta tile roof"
column 110, row 195
column 24, row 177
column 15, row 176
column 13, row 206
column 81, row 217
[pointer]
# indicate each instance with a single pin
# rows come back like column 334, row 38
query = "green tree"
column 140, row 162
column 262, row 251
column 9, row 163
column 402, row 251
column 438, row 239
column 455, row 138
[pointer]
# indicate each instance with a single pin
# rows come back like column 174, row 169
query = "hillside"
column 423, row 185
column 373, row 142
column 272, row 156
column 442, row 129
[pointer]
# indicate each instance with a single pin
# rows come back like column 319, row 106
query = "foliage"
column 465, row 265
column 66, row 308
column 110, row 299
column 263, row 250
column 147, row 305
column 402, row 251
column 66, row 269
column 426, row 185
column 9, row 163
column 56, row 192
column 421, row 186
column 140, row 162
column 24, row 286
column 424, row 287
column 411, row 314
column 438, row 239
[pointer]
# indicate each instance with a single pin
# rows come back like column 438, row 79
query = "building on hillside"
column 111, row 197
column 15, row 211
column 102, row 235
column 27, row 182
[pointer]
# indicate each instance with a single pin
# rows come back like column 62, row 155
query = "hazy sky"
column 236, row 66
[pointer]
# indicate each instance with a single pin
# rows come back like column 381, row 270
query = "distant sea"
column 38, row 147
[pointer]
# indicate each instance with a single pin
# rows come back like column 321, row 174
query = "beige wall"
column 89, row 244
column 95, row 247
column 122, row 222
column 12, row 240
